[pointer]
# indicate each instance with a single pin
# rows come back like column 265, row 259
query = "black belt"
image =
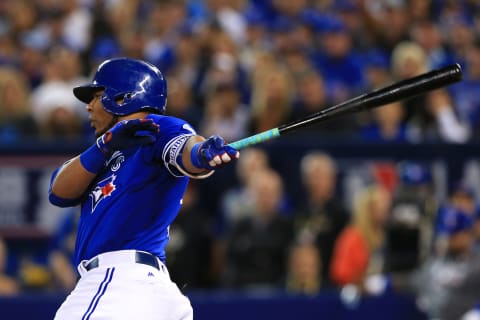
column 140, row 257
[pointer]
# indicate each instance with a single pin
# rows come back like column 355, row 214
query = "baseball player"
column 129, row 185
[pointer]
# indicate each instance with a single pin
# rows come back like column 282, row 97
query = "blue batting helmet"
column 129, row 86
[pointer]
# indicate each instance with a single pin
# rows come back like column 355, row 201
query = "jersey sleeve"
column 174, row 133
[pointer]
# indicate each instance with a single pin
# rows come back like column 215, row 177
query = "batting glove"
column 127, row 134
column 212, row 153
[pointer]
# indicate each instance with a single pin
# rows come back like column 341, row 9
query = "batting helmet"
column 129, row 86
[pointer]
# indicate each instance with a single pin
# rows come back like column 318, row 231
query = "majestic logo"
column 103, row 190
column 116, row 161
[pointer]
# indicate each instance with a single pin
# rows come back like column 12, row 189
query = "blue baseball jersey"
column 135, row 197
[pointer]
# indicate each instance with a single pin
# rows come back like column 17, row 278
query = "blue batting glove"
column 212, row 153
column 127, row 134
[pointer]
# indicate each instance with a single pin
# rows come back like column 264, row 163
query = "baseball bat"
column 400, row 90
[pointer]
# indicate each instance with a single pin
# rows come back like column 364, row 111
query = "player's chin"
column 99, row 132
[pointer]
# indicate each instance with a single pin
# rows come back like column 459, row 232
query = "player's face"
column 100, row 119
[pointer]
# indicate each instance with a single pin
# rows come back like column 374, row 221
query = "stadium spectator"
column 311, row 94
column 311, row 98
column 120, row 20
column 322, row 215
column 222, row 64
column 181, row 103
column 186, row 56
column 358, row 251
column 68, row 64
column 256, row 256
column 410, row 227
column 190, row 245
column 377, row 69
column 238, row 202
column 53, row 105
column 31, row 58
column 432, row 113
column 388, row 22
column 461, row 200
column 163, row 22
column 16, row 121
column 304, row 270
column 388, row 125
column 298, row 63
column 76, row 25
column 458, row 27
column 465, row 94
column 428, row 35
column 22, row 18
column 447, row 285
column 272, row 94
column 224, row 113
column 228, row 15
column 352, row 14
column 341, row 67
column 420, row 10
column 257, row 39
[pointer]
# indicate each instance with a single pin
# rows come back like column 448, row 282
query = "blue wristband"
column 93, row 159
column 195, row 157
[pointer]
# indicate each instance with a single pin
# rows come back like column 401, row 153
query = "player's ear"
column 119, row 100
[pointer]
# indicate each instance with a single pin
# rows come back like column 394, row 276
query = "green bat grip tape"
column 257, row 138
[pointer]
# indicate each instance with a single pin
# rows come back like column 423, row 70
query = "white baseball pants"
column 120, row 288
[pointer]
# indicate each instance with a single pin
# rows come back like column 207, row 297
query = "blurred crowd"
column 238, row 67
column 243, row 66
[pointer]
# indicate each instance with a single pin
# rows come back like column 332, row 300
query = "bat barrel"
column 398, row 91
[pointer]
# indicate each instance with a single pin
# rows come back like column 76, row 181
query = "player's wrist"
column 196, row 159
column 102, row 143
column 93, row 159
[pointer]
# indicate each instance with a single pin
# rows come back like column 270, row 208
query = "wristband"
column 92, row 159
column 195, row 157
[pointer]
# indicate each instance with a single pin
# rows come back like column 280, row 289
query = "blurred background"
column 371, row 216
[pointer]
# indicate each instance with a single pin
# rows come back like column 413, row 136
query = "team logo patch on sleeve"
column 102, row 190
column 115, row 161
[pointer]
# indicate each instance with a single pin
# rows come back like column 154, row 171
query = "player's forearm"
column 72, row 180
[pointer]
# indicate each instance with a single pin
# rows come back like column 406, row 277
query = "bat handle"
column 257, row 138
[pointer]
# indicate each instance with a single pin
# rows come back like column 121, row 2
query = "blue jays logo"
column 102, row 190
